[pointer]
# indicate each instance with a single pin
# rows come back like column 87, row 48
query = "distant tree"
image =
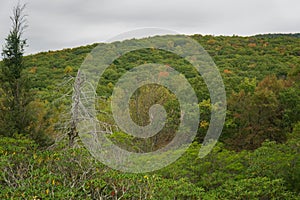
column 257, row 115
column 14, row 115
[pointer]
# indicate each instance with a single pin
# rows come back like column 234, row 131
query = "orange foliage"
column 163, row 74
column 265, row 44
column 252, row 45
column 227, row 71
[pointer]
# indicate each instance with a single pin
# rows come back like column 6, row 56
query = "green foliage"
column 14, row 84
column 17, row 112
column 27, row 172
column 257, row 115
column 257, row 159
column 270, row 172
column 254, row 188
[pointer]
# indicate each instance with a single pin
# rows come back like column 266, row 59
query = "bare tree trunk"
column 73, row 133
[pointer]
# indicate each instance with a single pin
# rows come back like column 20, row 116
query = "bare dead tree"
column 76, row 112
column 73, row 133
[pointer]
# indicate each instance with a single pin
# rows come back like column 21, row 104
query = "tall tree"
column 15, row 88
column 257, row 115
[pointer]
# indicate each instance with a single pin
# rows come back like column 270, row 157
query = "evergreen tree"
column 15, row 97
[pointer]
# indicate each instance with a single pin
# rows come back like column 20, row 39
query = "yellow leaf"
column 204, row 124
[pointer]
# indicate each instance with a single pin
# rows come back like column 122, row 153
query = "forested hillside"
column 256, row 157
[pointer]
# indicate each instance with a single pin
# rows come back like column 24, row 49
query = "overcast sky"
column 58, row 24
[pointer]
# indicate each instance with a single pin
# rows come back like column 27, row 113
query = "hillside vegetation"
column 256, row 157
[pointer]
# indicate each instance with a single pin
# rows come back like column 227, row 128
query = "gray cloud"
column 58, row 24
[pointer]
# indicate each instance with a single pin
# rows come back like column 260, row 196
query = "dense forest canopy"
column 264, row 66
column 257, row 156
